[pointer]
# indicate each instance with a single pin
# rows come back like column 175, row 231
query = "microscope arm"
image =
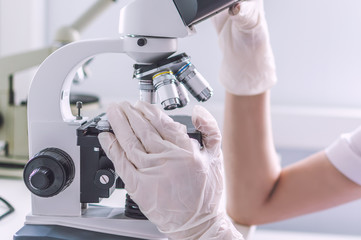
column 53, row 80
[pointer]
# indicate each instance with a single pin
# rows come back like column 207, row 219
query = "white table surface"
column 17, row 194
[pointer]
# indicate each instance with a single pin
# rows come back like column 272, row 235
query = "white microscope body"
column 149, row 32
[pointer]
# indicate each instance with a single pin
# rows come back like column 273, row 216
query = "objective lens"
column 147, row 91
column 194, row 82
column 165, row 85
column 183, row 95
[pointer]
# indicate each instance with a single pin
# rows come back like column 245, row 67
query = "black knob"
column 49, row 172
column 104, row 178
column 41, row 178
column 79, row 106
column 142, row 42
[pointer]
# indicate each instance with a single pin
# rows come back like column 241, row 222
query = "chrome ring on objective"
column 165, row 84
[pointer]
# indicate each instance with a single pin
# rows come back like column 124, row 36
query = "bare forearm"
column 258, row 191
column 310, row 185
column 252, row 167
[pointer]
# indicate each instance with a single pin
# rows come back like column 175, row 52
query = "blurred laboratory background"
column 318, row 55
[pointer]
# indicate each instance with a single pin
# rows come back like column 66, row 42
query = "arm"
column 258, row 190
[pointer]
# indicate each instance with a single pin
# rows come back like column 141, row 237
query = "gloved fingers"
column 207, row 125
column 168, row 129
column 126, row 136
column 124, row 168
column 144, row 130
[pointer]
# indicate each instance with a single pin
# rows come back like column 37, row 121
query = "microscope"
column 69, row 173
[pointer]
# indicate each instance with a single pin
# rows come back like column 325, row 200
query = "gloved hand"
column 345, row 155
column 177, row 186
column 248, row 66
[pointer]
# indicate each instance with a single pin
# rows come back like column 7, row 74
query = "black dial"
column 41, row 178
column 49, row 172
column 104, row 178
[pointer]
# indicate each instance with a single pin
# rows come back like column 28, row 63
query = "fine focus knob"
column 49, row 172
column 104, row 178
column 41, row 178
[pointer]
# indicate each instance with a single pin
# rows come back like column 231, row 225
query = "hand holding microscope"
column 68, row 170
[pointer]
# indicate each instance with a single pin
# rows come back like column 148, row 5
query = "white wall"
column 22, row 25
column 22, row 28
column 317, row 48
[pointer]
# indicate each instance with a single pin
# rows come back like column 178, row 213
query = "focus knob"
column 41, row 178
column 49, row 172
column 104, row 178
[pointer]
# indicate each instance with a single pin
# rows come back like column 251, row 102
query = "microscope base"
column 102, row 220
column 53, row 232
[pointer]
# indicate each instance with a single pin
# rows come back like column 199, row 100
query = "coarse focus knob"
column 49, row 172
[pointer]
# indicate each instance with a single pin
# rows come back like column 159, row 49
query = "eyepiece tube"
column 196, row 11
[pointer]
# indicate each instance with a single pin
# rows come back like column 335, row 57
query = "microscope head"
column 196, row 11
column 166, row 18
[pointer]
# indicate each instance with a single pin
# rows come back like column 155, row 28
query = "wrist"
column 218, row 227
column 245, row 72
column 222, row 228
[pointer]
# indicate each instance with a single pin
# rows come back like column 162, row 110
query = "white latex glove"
column 345, row 155
column 248, row 66
column 177, row 186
